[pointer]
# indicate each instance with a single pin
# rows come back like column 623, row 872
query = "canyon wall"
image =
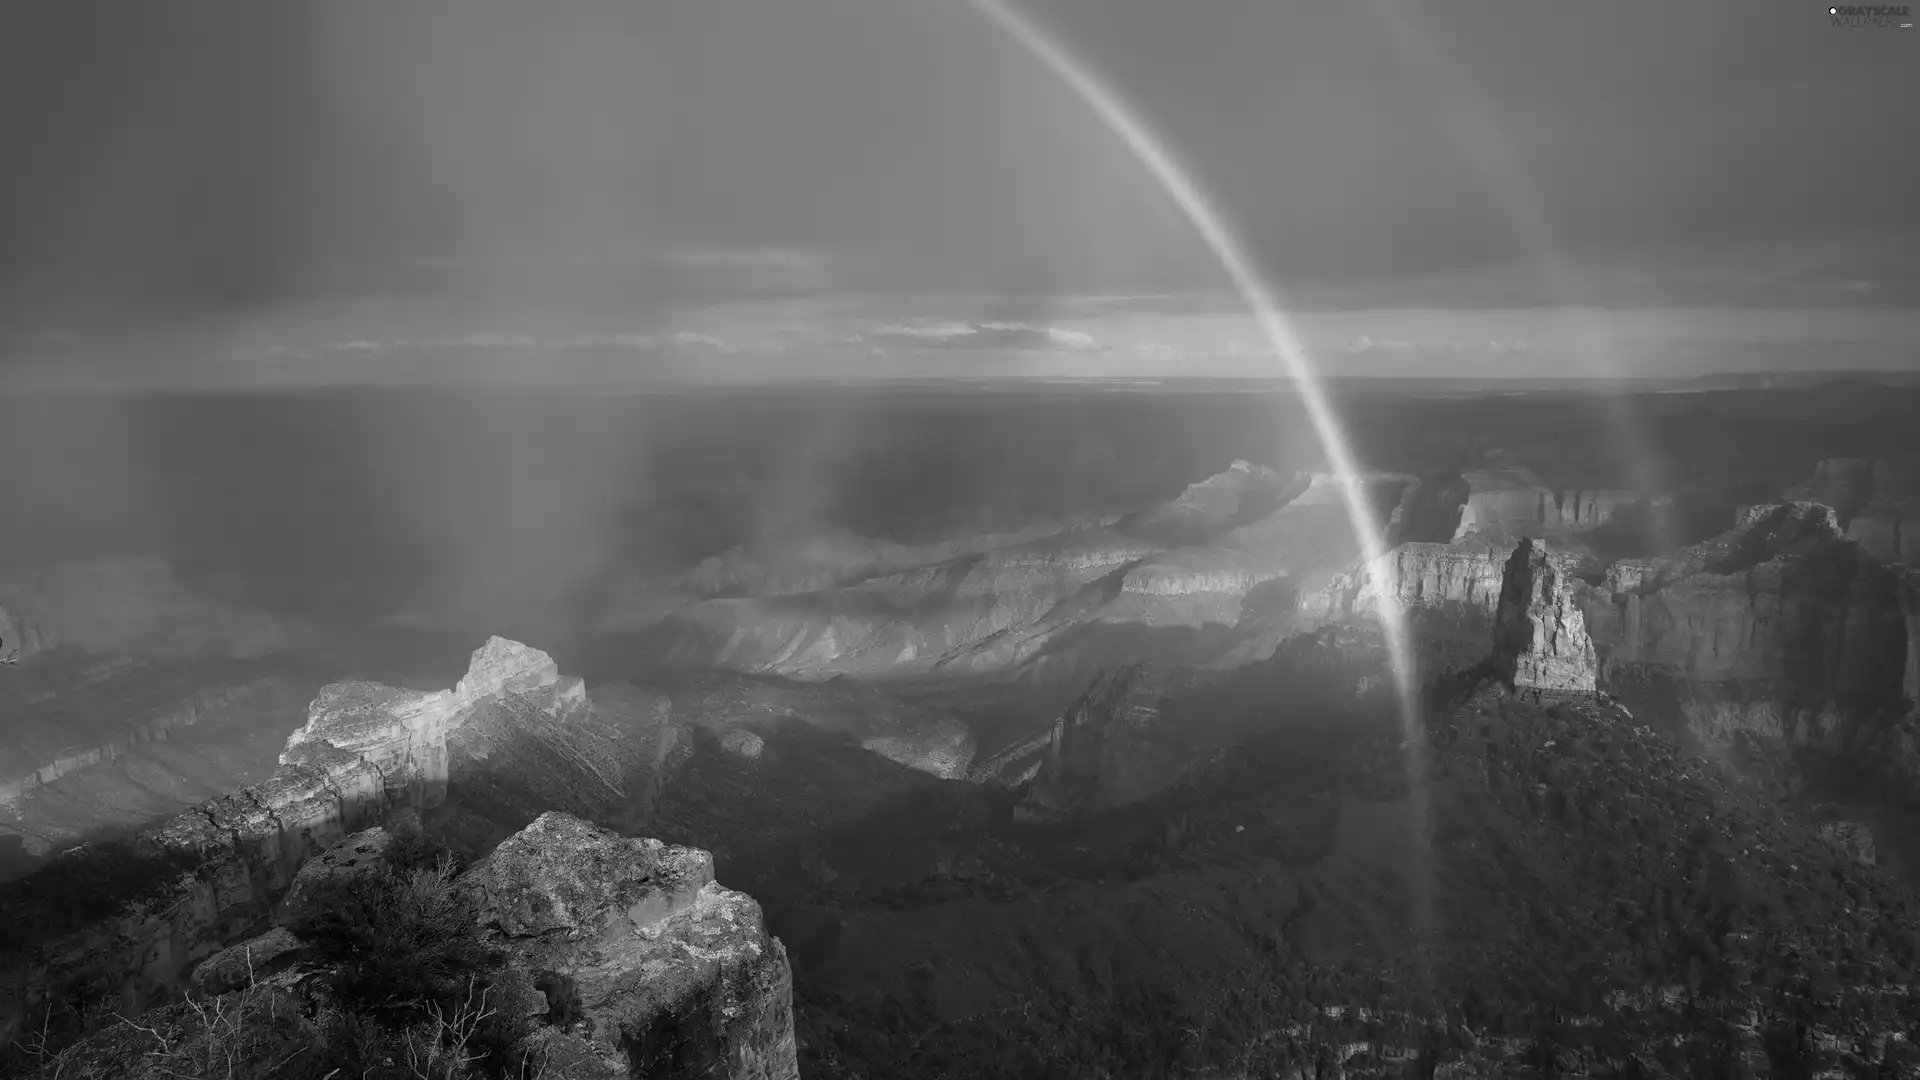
column 49, row 736
column 1120, row 742
column 1447, row 592
column 1876, row 502
column 1051, row 606
column 1782, row 628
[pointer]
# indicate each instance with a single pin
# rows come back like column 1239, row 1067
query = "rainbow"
column 1277, row 328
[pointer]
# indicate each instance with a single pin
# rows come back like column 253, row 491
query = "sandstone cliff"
column 132, row 605
column 54, row 712
column 1244, row 492
column 1447, row 592
column 1054, row 607
column 1540, row 640
column 1506, row 500
column 1781, row 627
column 1876, row 502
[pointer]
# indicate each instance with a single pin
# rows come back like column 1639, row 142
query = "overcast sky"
column 850, row 186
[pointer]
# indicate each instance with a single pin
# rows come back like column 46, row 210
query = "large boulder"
column 676, row 974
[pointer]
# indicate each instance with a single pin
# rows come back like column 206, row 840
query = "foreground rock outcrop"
column 665, row 972
column 125, row 920
column 677, row 975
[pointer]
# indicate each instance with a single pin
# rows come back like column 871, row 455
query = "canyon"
column 1114, row 766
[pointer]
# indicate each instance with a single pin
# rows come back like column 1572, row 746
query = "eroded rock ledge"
column 128, row 920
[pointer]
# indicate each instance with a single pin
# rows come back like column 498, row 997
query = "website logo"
column 1871, row 16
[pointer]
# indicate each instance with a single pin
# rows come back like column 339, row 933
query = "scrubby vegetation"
column 1611, row 905
column 397, row 984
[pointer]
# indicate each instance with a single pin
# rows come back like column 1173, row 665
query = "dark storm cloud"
column 1634, row 124
column 187, row 155
column 200, row 159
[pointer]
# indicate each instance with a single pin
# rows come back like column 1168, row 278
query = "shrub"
column 411, row 976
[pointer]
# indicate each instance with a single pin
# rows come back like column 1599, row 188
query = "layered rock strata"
column 1781, row 628
column 35, row 759
column 1448, row 593
column 125, row 920
column 1504, row 500
column 1050, row 608
column 1876, row 502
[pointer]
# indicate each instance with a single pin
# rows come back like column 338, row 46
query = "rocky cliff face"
column 132, row 605
column 150, row 907
column 1877, row 503
column 1140, row 729
column 678, row 974
column 1781, row 627
column 1506, row 500
column 1590, row 508
column 917, row 737
column 1117, row 744
column 1447, row 592
column 1055, row 606
column 907, row 620
column 1244, row 492
column 53, row 726
column 1540, row 640
column 1214, row 577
